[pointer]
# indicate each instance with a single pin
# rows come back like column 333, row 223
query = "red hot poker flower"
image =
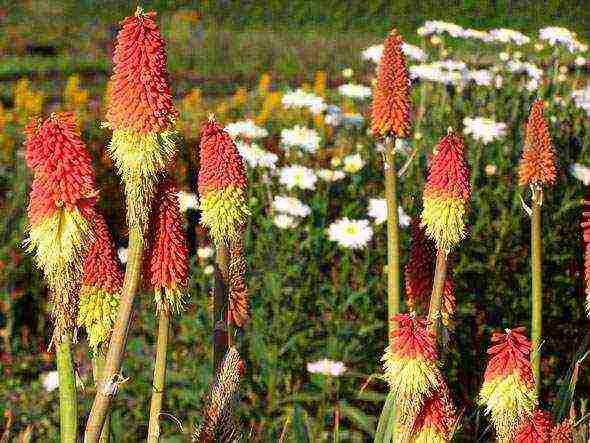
column 390, row 113
column 437, row 417
column 411, row 340
column 509, row 354
column 536, row 429
column 139, row 94
column 586, row 236
column 537, row 165
column 562, row 433
column 166, row 262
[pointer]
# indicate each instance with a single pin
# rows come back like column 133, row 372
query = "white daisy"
column 378, row 211
column 301, row 137
column 581, row 172
column 187, row 200
column 439, row 27
column 484, row 129
column 327, row 367
column 354, row 91
column 246, row 129
column 205, row 252
column 476, row 35
column 353, row 234
column 504, row 35
column 297, row 176
column 290, row 206
column 303, row 99
column 284, row 221
column 353, row 163
column 50, row 380
column 255, row 156
column 330, row 175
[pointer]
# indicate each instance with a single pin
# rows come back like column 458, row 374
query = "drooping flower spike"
column 537, row 165
column 436, row 421
column 101, row 286
column 60, row 210
column 535, row 429
column 140, row 113
column 222, row 184
column 508, row 392
column 239, row 310
column 390, row 112
column 585, row 225
column 219, row 422
column 419, row 275
column 447, row 193
column 411, row 366
column 166, row 254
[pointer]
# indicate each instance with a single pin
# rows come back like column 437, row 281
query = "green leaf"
column 358, row 417
column 299, row 429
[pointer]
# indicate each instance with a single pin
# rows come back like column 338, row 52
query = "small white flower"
column 123, row 254
column 504, row 35
column 187, row 200
column 580, row 61
column 353, row 163
column 373, row 53
column 413, row 52
column 532, row 85
column 504, row 56
column 290, row 206
column 378, row 211
column 581, row 172
column 484, row 129
column 353, row 234
column 301, row 137
column 355, row 91
column 255, row 156
column 476, row 35
column 439, row 27
column 208, row 270
column 582, row 99
column 330, row 175
column 284, row 221
column 50, row 380
column 302, row 99
column 556, row 35
column 327, row 367
column 498, row 81
column 347, row 73
column 297, row 176
column 481, row 77
column 246, row 129
column 205, row 252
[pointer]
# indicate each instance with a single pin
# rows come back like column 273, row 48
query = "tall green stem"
column 393, row 292
column 68, row 405
column 108, row 385
column 440, row 274
column 159, row 377
column 537, row 294
column 98, row 360
column 220, row 303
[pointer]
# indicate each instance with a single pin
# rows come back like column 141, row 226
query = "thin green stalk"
column 108, row 384
column 393, row 278
column 440, row 274
column 220, row 303
column 68, row 405
column 98, row 360
column 159, row 376
column 537, row 295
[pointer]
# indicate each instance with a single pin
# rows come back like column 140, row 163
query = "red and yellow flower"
column 535, row 429
column 436, row 421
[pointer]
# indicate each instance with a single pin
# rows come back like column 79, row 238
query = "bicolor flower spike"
column 60, row 209
column 101, row 286
column 410, row 363
column 166, row 254
column 419, row 275
column 447, row 193
column 140, row 113
column 436, row 421
column 535, row 429
column 390, row 112
column 508, row 392
column 222, row 184
column 239, row 310
column 585, row 225
column 537, row 165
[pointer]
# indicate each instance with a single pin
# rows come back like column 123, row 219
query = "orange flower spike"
column 585, row 225
column 562, row 433
column 166, row 257
column 419, row 271
column 537, row 165
column 437, row 418
column 390, row 112
column 140, row 98
column 535, row 429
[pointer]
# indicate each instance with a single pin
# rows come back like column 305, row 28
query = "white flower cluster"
column 351, row 90
column 581, row 172
column 303, row 99
column 246, row 129
column 353, row 234
column 530, row 69
column 187, row 200
column 301, row 137
column 484, row 129
column 353, row 163
column 447, row 71
column 330, row 175
column 374, row 53
column 501, row 35
column 327, row 367
column 290, row 206
column 378, row 211
column 297, row 176
column 555, row 35
column 255, row 156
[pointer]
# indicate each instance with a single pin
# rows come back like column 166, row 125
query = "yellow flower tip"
column 97, row 314
column 429, row 435
column 225, row 212
column 171, row 300
column 138, row 11
column 507, row 400
column 444, row 220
